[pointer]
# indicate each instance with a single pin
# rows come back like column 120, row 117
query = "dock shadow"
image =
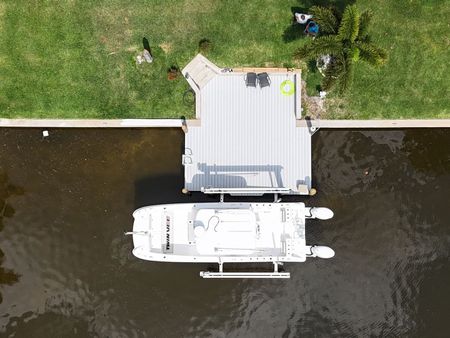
column 234, row 176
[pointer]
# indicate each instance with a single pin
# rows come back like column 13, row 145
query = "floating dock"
column 246, row 140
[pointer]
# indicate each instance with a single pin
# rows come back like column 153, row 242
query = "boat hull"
column 220, row 232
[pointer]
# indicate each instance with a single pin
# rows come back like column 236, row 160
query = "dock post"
column 312, row 192
column 222, row 198
column 184, row 125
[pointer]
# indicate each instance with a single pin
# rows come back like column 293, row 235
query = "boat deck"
column 230, row 232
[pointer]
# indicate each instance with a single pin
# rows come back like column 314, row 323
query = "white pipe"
column 136, row 233
column 207, row 274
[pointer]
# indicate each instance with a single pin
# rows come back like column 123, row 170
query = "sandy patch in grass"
column 114, row 28
column 132, row 49
column 269, row 64
column 31, row 57
column 184, row 16
column 166, row 47
column 336, row 108
column 199, row 6
column 118, row 79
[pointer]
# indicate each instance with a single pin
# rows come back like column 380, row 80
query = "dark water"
column 67, row 270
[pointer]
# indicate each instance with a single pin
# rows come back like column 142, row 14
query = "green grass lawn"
column 76, row 59
column 415, row 82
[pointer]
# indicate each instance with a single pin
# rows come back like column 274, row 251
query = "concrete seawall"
column 74, row 123
column 377, row 124
column 171, row 123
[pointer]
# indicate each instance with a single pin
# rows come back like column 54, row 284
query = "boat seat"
column 226, row 231
column 224, row 226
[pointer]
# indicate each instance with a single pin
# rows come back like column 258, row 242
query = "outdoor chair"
column 312, row 28
column 250, row 79
column 264, row 80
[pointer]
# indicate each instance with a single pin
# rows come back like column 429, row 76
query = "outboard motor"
column 322, row 251
column 321, row 213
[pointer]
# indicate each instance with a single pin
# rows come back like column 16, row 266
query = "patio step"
column 200, row 71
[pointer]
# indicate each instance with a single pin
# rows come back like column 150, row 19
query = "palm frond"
column 350, row 43
column 372, row 54
column 330, row 77
column 333, row 72
column 364, row 22
column 323, row 45
column 349, row 27
column 345, row 78
column 326, row 19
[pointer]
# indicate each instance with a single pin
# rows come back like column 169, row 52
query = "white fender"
column 320, row 251
column 321, row 213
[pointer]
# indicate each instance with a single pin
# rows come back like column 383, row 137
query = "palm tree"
column 346, row 40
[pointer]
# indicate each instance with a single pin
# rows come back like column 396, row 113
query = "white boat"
column 227, row 233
